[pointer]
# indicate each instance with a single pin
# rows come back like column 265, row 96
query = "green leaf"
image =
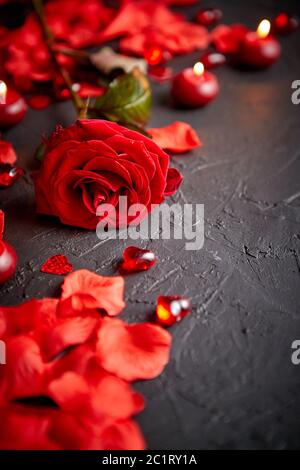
column 128, row 100
column 40, row 152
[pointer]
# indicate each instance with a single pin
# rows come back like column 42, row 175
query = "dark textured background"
column 230, row 382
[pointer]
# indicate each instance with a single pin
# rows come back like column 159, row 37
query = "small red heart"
column 57, row 264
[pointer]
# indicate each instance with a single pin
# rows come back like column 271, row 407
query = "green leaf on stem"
column 127, row 100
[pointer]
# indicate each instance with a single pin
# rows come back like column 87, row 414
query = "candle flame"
column 3, row 92
column 263, row 29
column 198, row 69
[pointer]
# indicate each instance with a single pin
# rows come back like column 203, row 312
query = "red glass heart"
column 57, row 264
column 160, row 73
column 8, row 261
column 285, row 23
column 9, row 175
column 172, row 309
column 211, row 60
column 208, row 16
column 136, row 260
column 155, row 55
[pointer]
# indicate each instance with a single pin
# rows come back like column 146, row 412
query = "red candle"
column 195, row 87
column 258, row 49
column 8, row 261
column 12, row 106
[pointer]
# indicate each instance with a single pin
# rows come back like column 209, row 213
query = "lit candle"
column 259, row 49
column 12, row 106
column 195, row 87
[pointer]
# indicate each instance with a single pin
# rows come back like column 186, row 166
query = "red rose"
column 94, row 162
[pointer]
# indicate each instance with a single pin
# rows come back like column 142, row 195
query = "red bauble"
column 13, row 110
column 8, row 261
column 172, row 309
column 136, row 260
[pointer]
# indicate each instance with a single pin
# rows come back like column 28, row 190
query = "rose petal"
column 25, row 428
column 178, row 137
column 226, row 39
column 74, row 393
column 23, row 375
column 174, row 180
column 138, row 351
column 65, row 333
column 88, row 290
column 7, row 153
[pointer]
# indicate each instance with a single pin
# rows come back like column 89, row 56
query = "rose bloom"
column 94, row 162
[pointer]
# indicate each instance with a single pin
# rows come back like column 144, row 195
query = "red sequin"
column 211, row 60
column 208, row 16
column 136, row 260
column 57, row 264
column 172, row 309
column 9, row 175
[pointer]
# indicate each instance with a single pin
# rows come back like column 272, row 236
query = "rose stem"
column 79, row 105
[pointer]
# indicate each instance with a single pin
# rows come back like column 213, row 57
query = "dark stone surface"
column 230, row 382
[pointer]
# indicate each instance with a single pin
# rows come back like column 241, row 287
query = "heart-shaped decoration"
column 57, row 264
column 136, row 260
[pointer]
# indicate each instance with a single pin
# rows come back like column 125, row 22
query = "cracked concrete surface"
column 230, row 382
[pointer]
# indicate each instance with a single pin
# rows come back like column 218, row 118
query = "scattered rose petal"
column 178, row 137
column 226, row 39
column 88, row 290
column 66, row 332
column 173, row 182
column 25, row 375
column 72, row 392
column 148, row 22
column 7, row 153
column 57, row 264
column 133, row 352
